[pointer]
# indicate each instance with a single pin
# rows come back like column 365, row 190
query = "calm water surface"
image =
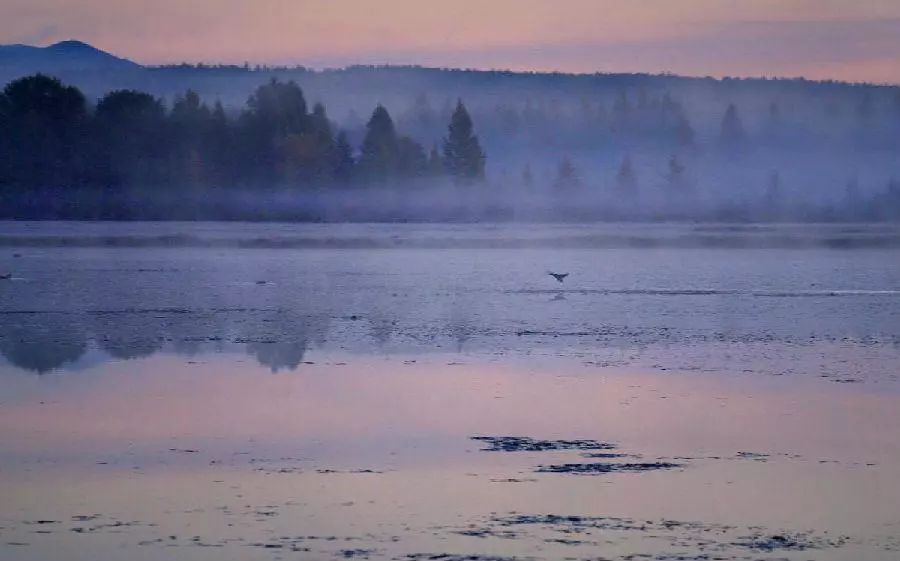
column 316, row 392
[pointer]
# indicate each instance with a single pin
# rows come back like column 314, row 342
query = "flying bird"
column 558, row 276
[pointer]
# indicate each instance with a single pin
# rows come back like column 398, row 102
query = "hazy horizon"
column 816, row 40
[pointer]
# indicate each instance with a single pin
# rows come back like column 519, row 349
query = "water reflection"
column 278, row 338
column 301, row 332
column 678, row 310
column 282, row 338
column 43, row 343
column 379, row 454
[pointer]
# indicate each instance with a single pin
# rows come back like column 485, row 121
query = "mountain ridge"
column 62, row 57
column 73, row 54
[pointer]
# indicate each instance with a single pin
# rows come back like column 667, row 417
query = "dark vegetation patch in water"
column 602, row 468
column 797, row 541
column 513, row 480
column 526, row 444
column 748, row 456
column 356, row 553
column 569, row 523
column 460, row 557
column 327, row 470
column 607, row 455
column 689, row 539
column 484, row 532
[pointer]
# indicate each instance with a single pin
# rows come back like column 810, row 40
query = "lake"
column 413, row 391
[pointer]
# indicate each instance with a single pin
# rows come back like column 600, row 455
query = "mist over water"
column 555, row 146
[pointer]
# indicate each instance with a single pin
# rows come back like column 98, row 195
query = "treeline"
column 62, row 157
column 635, row 155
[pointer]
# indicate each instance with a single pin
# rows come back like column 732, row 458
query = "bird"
column 558, row 276
column 6, row 276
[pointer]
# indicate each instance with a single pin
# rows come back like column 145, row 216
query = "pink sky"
column 843, row 39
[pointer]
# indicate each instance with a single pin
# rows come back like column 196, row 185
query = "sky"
column 856, row 40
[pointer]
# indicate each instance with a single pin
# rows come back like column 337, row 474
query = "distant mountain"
column 64, row 59
column 358, row 88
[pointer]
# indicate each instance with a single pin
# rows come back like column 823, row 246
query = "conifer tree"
column 566, row 175
column 378, row 157
column 435, row 164
column 343, row 159
column 411, row 158
column 463, row 157
column 684, row 132
column 732, row 133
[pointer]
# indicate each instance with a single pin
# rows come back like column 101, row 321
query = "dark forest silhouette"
column 132, row 156
column 60, row 158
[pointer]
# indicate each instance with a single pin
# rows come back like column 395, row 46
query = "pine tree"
column 276, row 115
column 412, row 161
column 773, row 126
column 307, row 155
column 772, row 205
column 435, row 164
column 220, row 145
column 343, row 159
column 463, row 158
column 732, row 133
column 322, row 149
column 378, row 157
column 191, row 124
column 684, row 132
column 566, row 175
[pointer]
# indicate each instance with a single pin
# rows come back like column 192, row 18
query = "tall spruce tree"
column 463, row 157
column 378, row 157
column 732, row 133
